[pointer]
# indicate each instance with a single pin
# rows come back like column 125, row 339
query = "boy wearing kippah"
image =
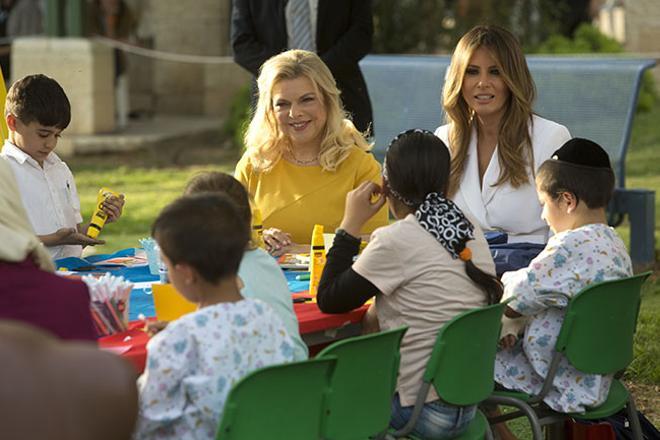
column 37, row 111
column 574, row 187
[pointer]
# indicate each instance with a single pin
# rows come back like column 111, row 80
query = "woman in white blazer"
column 497, row 143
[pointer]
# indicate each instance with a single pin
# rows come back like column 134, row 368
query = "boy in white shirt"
column 37, row 111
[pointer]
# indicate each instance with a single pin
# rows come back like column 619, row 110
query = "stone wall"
column 197, row 28
column 83, row 68
column 643, row 29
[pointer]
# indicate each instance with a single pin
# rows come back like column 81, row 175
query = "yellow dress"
column 293, row 198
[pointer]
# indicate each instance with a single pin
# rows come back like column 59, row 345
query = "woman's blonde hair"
column 514, row 148
column 265, row 142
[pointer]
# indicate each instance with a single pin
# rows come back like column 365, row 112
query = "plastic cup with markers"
column 153, row 254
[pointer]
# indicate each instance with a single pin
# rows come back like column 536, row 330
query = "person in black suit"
column 344, row 30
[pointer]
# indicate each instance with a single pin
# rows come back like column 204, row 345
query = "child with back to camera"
column 37, row 111
column 262, row 277
column 193, row 363
column 574, row 187
column 420, row 269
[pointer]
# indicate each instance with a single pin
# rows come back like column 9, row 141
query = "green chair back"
column 597, row 333
column 282, row 401
column 462, row 361
column 363, row 384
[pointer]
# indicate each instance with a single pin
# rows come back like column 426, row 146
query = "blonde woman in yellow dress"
column 303, row 155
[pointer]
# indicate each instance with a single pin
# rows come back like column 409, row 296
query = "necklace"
column 302, row 162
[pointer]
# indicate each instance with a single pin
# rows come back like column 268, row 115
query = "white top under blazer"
column 516, row 211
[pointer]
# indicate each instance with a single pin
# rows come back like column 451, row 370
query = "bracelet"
column 339, row 232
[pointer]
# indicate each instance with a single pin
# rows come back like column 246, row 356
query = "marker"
column 257, row 228
column 302, row 277
column 316, row 260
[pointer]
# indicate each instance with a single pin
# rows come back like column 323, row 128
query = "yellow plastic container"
column 316, row 259
column 169, row 303
column 99, row 216
column 257, row 229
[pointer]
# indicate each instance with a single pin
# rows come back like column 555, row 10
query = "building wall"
column 643, row 29
column 197, row 28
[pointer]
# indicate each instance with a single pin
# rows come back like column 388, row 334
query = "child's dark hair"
column 41, row 99
column 217, row 182
column 417, row 163
column 203, row 230
column 593, row 186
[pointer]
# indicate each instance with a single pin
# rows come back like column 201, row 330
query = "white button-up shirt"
column 49, row 195
column 516, row 211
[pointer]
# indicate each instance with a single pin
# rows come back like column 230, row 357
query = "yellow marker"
column 316, row 259
column 257, row 228
column 99, row 216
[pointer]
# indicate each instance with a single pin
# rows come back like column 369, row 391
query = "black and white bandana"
column 439, row 216
column 446, row 222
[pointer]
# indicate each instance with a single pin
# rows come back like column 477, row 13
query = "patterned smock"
column 571, row 261
column 193, row 363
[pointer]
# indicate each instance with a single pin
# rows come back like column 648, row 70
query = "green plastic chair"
column 461, row 367
column 283, row 401
column 362, row 385
column 597, row 338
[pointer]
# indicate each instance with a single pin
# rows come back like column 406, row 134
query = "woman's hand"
column 277, row 241
column 362, row 203
column 113, row 207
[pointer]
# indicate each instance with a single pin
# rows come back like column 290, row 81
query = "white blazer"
column 516, row 211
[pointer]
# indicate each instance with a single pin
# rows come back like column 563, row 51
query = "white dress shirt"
column 516, row 211
column 49, row 195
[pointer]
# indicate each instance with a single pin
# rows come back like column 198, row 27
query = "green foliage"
column 432, row 26
column 409, row 26
column 644, row 367
column 648, row 93
column 239, row 116
column 588, row 39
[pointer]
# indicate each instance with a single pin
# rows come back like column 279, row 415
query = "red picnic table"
column 316, row 328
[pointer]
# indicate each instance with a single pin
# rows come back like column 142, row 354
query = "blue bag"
column 510, row 256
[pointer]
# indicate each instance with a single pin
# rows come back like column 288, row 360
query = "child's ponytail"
column 490, row 283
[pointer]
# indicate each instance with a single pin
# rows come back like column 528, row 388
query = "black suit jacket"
column 343, row 36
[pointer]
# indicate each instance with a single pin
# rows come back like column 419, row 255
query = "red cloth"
column 43, row 299
column 312, row 320
column 132, row 344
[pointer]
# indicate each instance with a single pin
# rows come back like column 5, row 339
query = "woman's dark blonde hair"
column 265, row 142
column 514, row 144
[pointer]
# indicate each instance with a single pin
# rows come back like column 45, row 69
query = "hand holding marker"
column 99, row 216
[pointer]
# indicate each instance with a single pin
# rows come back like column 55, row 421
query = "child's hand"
column 362, row 203
column 508, row 341
column 370, row 322
column 155, row 327
column 69, row 236
column 113, row 206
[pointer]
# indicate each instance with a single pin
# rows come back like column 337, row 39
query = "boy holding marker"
column 37, row 111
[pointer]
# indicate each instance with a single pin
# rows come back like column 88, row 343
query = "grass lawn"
column 150, row 182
